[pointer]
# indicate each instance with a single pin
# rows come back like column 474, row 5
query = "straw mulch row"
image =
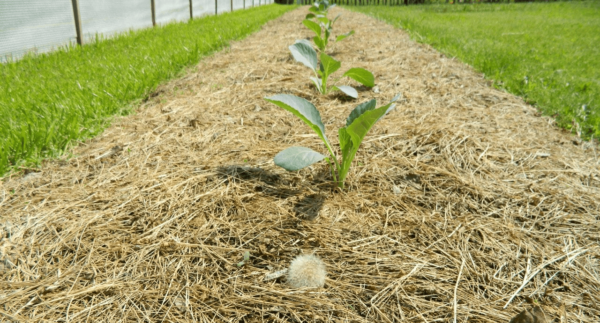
column 461, row 202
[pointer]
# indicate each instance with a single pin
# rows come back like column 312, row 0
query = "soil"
column 463, row 204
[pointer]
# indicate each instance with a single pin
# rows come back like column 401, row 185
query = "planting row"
column 360, row 120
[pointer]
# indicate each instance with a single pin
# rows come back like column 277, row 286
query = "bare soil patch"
column 150, row 220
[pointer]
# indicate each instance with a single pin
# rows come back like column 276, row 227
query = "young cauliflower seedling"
column 358, row 124
column 304, row 53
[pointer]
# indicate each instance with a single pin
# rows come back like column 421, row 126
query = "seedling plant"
column 246, row 259
column 320, row 8
column 323, row 27
column 323, row 30
column 304, row 53
column 358, row 124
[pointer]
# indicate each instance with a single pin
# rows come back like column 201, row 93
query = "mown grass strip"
column 51, row 100
column 547, row 53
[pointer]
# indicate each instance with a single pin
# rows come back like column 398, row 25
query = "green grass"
column 50, row 101
column 548, row 53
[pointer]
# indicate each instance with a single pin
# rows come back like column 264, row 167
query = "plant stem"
column 332, row 167
column 337, row 165
column 320, row 88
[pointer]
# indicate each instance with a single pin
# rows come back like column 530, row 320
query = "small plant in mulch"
column 325, row 67
column 358, row 124
column 322, row 26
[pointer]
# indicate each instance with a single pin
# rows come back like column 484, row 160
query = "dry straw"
column 154, row 229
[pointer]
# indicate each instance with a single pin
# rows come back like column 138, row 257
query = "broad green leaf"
column 304, row 54
column 295, row 158
column 362, row 124
column 348, row 90
column 345, row 142
column 312, row 26
column 314, row 9
column 360, row 109
column 322, row 7
column 324, row 20
column 357, row 130
column 320, row 43
column 362, row 76
column 304, row 110
column 304, row 41
column 310, row 16
column 389, row 107
column 346, row 146
column 329, row 65
column 341, row 37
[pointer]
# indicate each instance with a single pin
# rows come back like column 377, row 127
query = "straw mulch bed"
column 460, row 203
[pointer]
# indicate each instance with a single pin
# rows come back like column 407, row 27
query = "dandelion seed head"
column 307, row 271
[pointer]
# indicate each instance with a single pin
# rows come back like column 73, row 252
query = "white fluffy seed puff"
column 307, row 271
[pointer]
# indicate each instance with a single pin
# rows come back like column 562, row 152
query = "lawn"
column 547, row 53
column 50, row 101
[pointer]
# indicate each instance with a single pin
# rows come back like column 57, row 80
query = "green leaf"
column 360, row 109
column 346, row 146
column 295, row 158
column 304, row 110
column 348, row 90
column 362, row 124
column 357, row 130
column 341, row 37
column 310, row 16
column 362, row 76
column 304, row 41
column 246, row 258
column 323, row 19
column 314, row 9
column 304, row 54
column 329, row 65
column 312, row 26
column 320, row 43
column 345, row 141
